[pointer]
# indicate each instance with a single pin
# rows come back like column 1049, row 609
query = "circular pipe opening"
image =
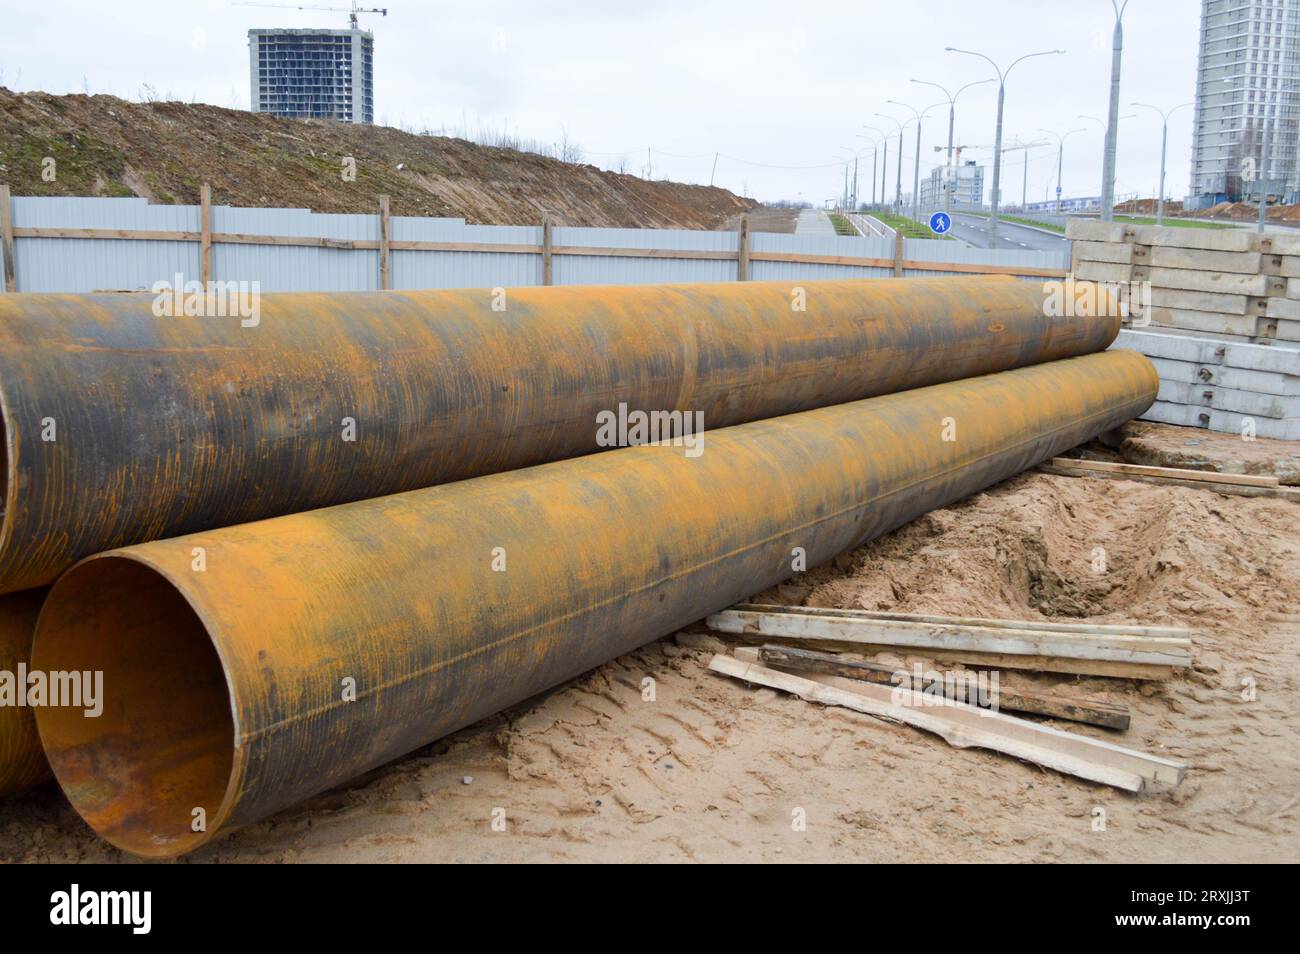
column 160, row 755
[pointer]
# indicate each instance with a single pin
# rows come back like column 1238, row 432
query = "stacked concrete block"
column 1230, row 284
column 1216, row 310
column 1222, row 385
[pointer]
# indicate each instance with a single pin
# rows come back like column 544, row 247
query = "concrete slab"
column 1215, row 240
column 1282, row 308
column 1211, row 302
column 1104, row 272
column 1275, row 358
column 1118, row 253
column 1091, row 230
column 1244, row 263
column 1195, row 280
column 1262, row 382
column 1204, row 322
column 1229, row 422
column 1254, row 404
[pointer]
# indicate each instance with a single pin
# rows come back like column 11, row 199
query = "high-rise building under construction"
column 313, row 74
column 1247, row 70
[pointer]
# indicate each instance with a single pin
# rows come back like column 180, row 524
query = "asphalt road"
column 975, row 230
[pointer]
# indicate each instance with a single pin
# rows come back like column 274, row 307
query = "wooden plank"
column 1234, row 490
column 1250, row 480
column 972, row 269
column 1017, row 700
column 296, row 241
column 1095, row 629
column 898, row 254
column 548, row 247
column 965, row 726
column 205, row 234
column 1148, row 650
column 146, row 235
column 385, row 238
column 742, row 244
column 689, row 253
column 7, row 239
column 801, row 258
column 414, row 246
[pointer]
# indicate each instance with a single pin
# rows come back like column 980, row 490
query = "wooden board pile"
column 963, row 706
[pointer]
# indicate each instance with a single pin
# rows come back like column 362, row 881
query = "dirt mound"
column 164, row 151
column 1148, row 207
column 1053, row 547
column 1249, row 212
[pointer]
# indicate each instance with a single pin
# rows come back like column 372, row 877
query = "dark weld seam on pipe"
column 223, row 687
column 166, row 426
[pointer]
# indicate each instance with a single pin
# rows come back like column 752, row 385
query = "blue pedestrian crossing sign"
column 940, row 222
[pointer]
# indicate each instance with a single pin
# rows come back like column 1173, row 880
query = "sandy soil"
column 1164, row 445
column 712, row 770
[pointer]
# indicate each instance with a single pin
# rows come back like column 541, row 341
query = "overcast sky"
column 776, row 86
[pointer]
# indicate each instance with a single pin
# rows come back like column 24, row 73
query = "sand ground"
column 714, row 770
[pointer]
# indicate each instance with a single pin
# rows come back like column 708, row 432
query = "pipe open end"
column 153, row 771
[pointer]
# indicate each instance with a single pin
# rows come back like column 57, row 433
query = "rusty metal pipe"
column 225, row 688
column 165, row 426
column 22, row 763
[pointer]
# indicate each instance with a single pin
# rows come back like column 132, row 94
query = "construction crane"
column 1006, row 147
column 350, row 11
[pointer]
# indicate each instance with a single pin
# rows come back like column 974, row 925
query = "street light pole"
column 1102, row 123
column 898, row 181
column 1060, row 159
column 1262, row 175
column 997, row 140
column 885, row 139
column 853, row 154
column 952, row 115
column 1164, row 142
column 1112, row 126
column 916, row 168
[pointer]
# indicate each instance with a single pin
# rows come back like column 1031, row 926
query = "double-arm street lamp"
column 997, row 139
column 916, row 169
column 1164, row 141
column 898, row 182
column 952, row 113
column 1060, row 157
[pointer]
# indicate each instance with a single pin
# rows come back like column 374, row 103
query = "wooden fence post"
column 742, row 260
column 205, row 234
column 898, row 254
column 547, row 245
column 385, row 274
column 7, row 240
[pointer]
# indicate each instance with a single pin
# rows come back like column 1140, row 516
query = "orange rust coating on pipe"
column 22, row 763
column 164, row 426
column 224, row 690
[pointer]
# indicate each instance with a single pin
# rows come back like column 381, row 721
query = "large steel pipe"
column 123, row 427
column 227, row 688
column 22, row 763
